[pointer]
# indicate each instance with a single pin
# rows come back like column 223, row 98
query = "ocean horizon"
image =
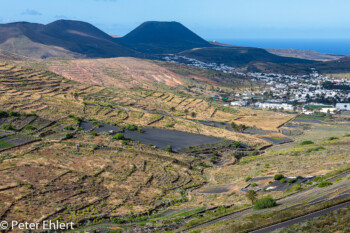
column 331, row 46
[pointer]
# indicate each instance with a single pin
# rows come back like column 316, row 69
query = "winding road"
column 301, row 219
column 308, row 197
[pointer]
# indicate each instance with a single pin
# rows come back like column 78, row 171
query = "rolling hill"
column 75, row 39
column 238, row 56
column 304, row 54
column 162, row 37
column 62, row 38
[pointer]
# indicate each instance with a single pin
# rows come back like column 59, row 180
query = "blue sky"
column 215, row 19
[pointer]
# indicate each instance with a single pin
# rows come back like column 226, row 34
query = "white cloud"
column 31, row 12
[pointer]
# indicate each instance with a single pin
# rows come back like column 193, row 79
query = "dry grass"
column 262, row 119
column 85, row 183
column 54, row 97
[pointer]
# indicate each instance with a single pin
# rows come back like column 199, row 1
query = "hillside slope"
column 24, row 46
column 74, row 36
column 128, row 72
column 304, row 54
column 122, row 72
column 238, row 56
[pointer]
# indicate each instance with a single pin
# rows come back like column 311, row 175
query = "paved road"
column 313, row 196
column 301, row 219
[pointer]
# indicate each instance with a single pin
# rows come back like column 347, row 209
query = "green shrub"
column 332, row 138
column 306, row 143
column 169, row 148
column 291, row 181
column 294, row 188
column 78, row 119
column 283, row 180
column 6, row 127
column 97, row 124
column 3, row 114
column 118, row 220
column 248, row 179
column 254, row 185
column 315, row 149
column 119, row 136
column 170, row 125
column 14, row 114
column 139, row 131
column 264, row 202
column 94, row 133
column 324, row 183
column 29, row 127
column 347, row 135
column 202, row 164
column 278, row 177
column 319, row 178
column 131, row 127
column 238, row 128
column 69, row 127
column 4, row 144
column 69, row 136
column 236, row 144
column 29, row 114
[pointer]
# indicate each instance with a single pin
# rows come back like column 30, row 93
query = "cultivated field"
column 61, row 135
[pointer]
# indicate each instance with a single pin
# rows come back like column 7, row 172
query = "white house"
column 328, row 110
column 343, row 106
column 239, row 103
column 283, row 106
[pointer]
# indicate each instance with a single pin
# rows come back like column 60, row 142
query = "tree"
column 172, row 109
column 186, row 112
column 252, row 196
column 193, row 114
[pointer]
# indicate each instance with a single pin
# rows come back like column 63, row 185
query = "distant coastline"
column 331, row 46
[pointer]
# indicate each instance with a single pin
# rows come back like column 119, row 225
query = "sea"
column 331, row 46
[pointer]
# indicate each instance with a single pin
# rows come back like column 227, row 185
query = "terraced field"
column 49, row 95
column 57, row 181
column 57, row 150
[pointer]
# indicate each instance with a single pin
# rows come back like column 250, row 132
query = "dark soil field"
column 309, row 121
column 160, row 138
column 16, row 140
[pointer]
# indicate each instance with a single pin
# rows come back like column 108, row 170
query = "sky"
column 211, row 19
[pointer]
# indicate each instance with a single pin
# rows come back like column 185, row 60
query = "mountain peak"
column 163, row 37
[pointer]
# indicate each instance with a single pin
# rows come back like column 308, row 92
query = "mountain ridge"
column 75, row 36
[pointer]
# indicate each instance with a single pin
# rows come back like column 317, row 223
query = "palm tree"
column 252, row 196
